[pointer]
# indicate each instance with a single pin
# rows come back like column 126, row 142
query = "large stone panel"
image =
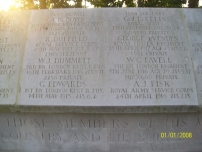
column 107, row 57
column 118, row 61
column 13, row 30
column 194, row 27
column 100, row 132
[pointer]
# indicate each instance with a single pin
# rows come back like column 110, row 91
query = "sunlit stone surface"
column 13, row 30
column 78, row 57
column 101, row 80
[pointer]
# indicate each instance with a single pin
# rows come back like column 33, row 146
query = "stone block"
column 107, row 57
column 13, row 32
column 23, row 132
column 194, row 28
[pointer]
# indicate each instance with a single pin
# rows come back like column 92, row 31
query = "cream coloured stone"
column 194, row 28
column 13, row 30
column 33, row 132
column 107, row 57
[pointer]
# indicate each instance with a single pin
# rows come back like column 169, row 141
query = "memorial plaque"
column 100, row 133
column 194, row 26
column 13, row 29
column 101, row 60
column 107, row 57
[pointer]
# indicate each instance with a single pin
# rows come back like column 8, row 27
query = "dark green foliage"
column 161, row 3
column 59, row 4
column 130, row 3
column 193, row 3
column 78, row 4
column 106, row 3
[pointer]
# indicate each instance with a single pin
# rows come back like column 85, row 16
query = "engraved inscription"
column 108, row 131
column 64, row 63
column 147, row 43
column 78, row 58
column 13, row 27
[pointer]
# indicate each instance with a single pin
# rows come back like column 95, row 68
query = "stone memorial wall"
column 96, row 58
column 99, row 58
column 101, row 80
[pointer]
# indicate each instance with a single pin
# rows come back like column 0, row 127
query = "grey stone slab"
column 13, row 29
column 107, row 57
column 31, row 132
column 194, row 27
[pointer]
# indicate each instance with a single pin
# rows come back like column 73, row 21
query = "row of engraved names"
column 131, row 71
column 94, row 93
column 118, row 93
column 76, row 43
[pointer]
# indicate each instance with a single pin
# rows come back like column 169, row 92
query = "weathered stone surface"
column 107, row 57
column 101, row 133
column 194, row 27
column 116, row 61
column 13, row 29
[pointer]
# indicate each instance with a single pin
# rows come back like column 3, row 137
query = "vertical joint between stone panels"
column 191, row 54
column 16, row 106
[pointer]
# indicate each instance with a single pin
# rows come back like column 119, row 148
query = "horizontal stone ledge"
column 101, row 109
